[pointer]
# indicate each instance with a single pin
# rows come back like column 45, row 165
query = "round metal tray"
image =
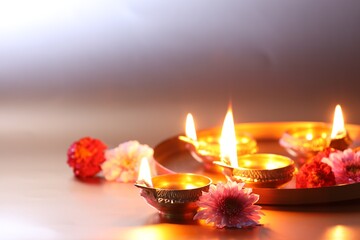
column 172, row 156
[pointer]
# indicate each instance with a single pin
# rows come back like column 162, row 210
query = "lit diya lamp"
column 256, row 170
column 207, row 148
column 173, row 195
column 306, row 142
column 340, row 139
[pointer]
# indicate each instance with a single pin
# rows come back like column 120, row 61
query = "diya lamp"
column 173, row 195
column 207, row 147
column 306, row 142
column 256, row 170
column 340, row 139
column 202, row 151
column 260, row 170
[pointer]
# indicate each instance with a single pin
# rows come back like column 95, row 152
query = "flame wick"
column 144, row 177
column 190, row 132
column 338, row 128
column 190, row 129
column 228, row 140
column 143, row 182
column 187, row 140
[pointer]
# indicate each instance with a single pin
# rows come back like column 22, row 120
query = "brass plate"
column 172, row 155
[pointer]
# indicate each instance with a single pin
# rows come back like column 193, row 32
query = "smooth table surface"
column 40, row 198
column 46, row 202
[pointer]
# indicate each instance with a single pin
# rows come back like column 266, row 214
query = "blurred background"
column 123, row 70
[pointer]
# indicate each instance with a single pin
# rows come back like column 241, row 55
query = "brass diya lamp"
column 260, row 170
column 256, row 170
column 173, row 195
column 306, row 142
column 207, row 148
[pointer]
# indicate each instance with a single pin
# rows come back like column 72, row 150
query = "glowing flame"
column 190, row 129
column 228, row 140
column 145, row 173
column 338, row 128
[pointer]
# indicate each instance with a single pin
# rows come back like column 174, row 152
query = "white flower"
column 123, row 162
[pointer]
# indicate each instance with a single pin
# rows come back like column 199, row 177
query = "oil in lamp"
column 260, row 170
column 256, row 170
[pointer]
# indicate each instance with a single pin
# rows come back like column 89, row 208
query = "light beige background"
column 67, row 64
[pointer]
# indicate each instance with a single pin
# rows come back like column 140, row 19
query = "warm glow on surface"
column 190, row 186
column 309, row 136
column 147, row 232
column 340, row 232
column 272, row 165
column 144, row 172
column 244, row 140
column 338, row 128
column 324, row 135
column 190, row 129
column 228, row 140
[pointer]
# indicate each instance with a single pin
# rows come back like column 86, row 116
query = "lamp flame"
column 338, row 128
column 190, row 129
column 228, row 149
column 144, row 176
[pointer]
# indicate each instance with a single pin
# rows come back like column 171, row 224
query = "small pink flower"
column 345, row 165
column 123, row 162
column 229, row 205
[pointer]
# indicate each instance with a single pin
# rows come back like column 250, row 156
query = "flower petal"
column 229, row 205
column 123, row 162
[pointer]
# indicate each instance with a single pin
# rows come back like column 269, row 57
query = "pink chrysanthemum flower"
column 345, row 165
column 229, row 205
column 123, row 162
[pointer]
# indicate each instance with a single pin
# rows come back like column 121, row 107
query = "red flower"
column 315, row 173
column 323, row 154
column 85, row 156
